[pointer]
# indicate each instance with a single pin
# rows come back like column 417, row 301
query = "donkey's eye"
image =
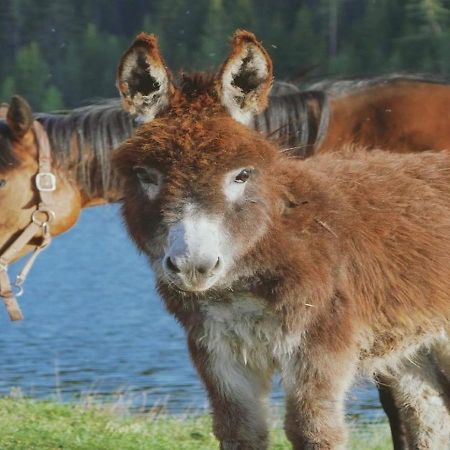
column 2, row 182
column 243, row 176
column 146, row 176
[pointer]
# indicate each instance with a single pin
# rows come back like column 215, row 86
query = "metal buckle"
column 45, row 182
column 43, row 223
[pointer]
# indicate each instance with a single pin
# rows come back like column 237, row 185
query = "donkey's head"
column 198, row 183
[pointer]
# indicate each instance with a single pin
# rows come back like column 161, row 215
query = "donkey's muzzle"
column 192, row 274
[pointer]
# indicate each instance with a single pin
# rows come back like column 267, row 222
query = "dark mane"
column 8, row 159
column 82, row 141
column 296, row 121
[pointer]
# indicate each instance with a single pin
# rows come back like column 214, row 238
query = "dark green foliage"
column 61, row 53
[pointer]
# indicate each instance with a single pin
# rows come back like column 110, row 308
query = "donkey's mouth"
column 188, row 287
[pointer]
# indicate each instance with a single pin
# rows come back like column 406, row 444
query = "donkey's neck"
column 82, row 142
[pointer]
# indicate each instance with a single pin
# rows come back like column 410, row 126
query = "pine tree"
column 7, row 89
column 52, row 100
column 307, row 47
column 425, row 35
column 32, row 74
column 214, row 36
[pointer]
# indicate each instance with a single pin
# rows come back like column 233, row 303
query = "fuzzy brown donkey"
column 324, row 269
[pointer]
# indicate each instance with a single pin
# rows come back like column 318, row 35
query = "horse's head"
column 200, row 186
column 19, row 155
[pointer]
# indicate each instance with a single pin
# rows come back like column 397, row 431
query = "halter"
column 41, row 218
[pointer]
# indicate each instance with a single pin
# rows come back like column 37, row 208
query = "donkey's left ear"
column 143, row 80
column 245, row 78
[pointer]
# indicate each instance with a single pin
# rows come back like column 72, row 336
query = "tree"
column 214, row 36
column 7, row 89
column 32, row 74
column 52, row 100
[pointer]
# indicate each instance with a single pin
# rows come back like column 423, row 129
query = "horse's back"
column 400, row 115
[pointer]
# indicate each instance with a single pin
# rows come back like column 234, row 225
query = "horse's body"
column 322, row 269
column 380, row 115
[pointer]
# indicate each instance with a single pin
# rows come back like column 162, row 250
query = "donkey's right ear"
column 19, row 117
column 143, row 79
column 246, row 77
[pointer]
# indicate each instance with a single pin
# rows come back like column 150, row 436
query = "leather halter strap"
column 41, row 218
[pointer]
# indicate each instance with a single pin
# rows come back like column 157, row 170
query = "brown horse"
column 18, row 168
column 323, row 269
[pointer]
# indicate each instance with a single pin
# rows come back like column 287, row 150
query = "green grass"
column 40, row 425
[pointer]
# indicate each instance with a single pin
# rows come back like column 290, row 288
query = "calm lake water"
column 94, row 325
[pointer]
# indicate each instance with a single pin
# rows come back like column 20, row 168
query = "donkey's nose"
column 202, row 267
column 206, row 267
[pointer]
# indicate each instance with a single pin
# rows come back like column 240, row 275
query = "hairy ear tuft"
column 142, row 78
column 245, row 78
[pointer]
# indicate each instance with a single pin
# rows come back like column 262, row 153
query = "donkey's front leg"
column 315, row 382
column 238, row 395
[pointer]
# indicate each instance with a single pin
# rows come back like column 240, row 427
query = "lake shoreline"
column 29, row 424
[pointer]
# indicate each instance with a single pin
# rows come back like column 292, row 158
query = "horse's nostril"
column 217, row 263
column 171, row 265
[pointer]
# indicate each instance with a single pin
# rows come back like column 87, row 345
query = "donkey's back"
column 395, row 225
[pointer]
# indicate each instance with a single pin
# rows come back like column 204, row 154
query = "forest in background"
column 62, row 53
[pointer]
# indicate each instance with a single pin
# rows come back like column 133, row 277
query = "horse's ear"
column 19, row 117
column 3, row 110
column 143, row 79
column 245, row 78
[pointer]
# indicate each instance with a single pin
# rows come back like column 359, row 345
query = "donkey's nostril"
column 206, row 268
column 203, row 269
column 171, row 265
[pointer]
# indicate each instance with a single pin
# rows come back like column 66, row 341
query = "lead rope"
column 41, row 219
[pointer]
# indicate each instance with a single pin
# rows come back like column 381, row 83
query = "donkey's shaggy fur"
column 323, row 269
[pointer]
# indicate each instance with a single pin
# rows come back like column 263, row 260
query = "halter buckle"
column 43, row 223
column 45, row 182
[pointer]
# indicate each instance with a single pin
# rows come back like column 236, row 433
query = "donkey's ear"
column 19, row 117
column 245, row 78
column 143, row 80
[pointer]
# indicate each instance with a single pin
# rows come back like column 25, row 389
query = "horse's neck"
column 296, row 121
column 82, row 142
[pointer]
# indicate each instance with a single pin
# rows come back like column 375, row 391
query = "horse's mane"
column 8, row 158
column 296, row 121
column 337, row 87
column 83, row 138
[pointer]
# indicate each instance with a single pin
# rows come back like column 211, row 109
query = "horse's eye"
column 146, row 176
column 2, row 182
column 242, row 176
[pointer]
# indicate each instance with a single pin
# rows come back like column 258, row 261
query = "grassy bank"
column 37, row 425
